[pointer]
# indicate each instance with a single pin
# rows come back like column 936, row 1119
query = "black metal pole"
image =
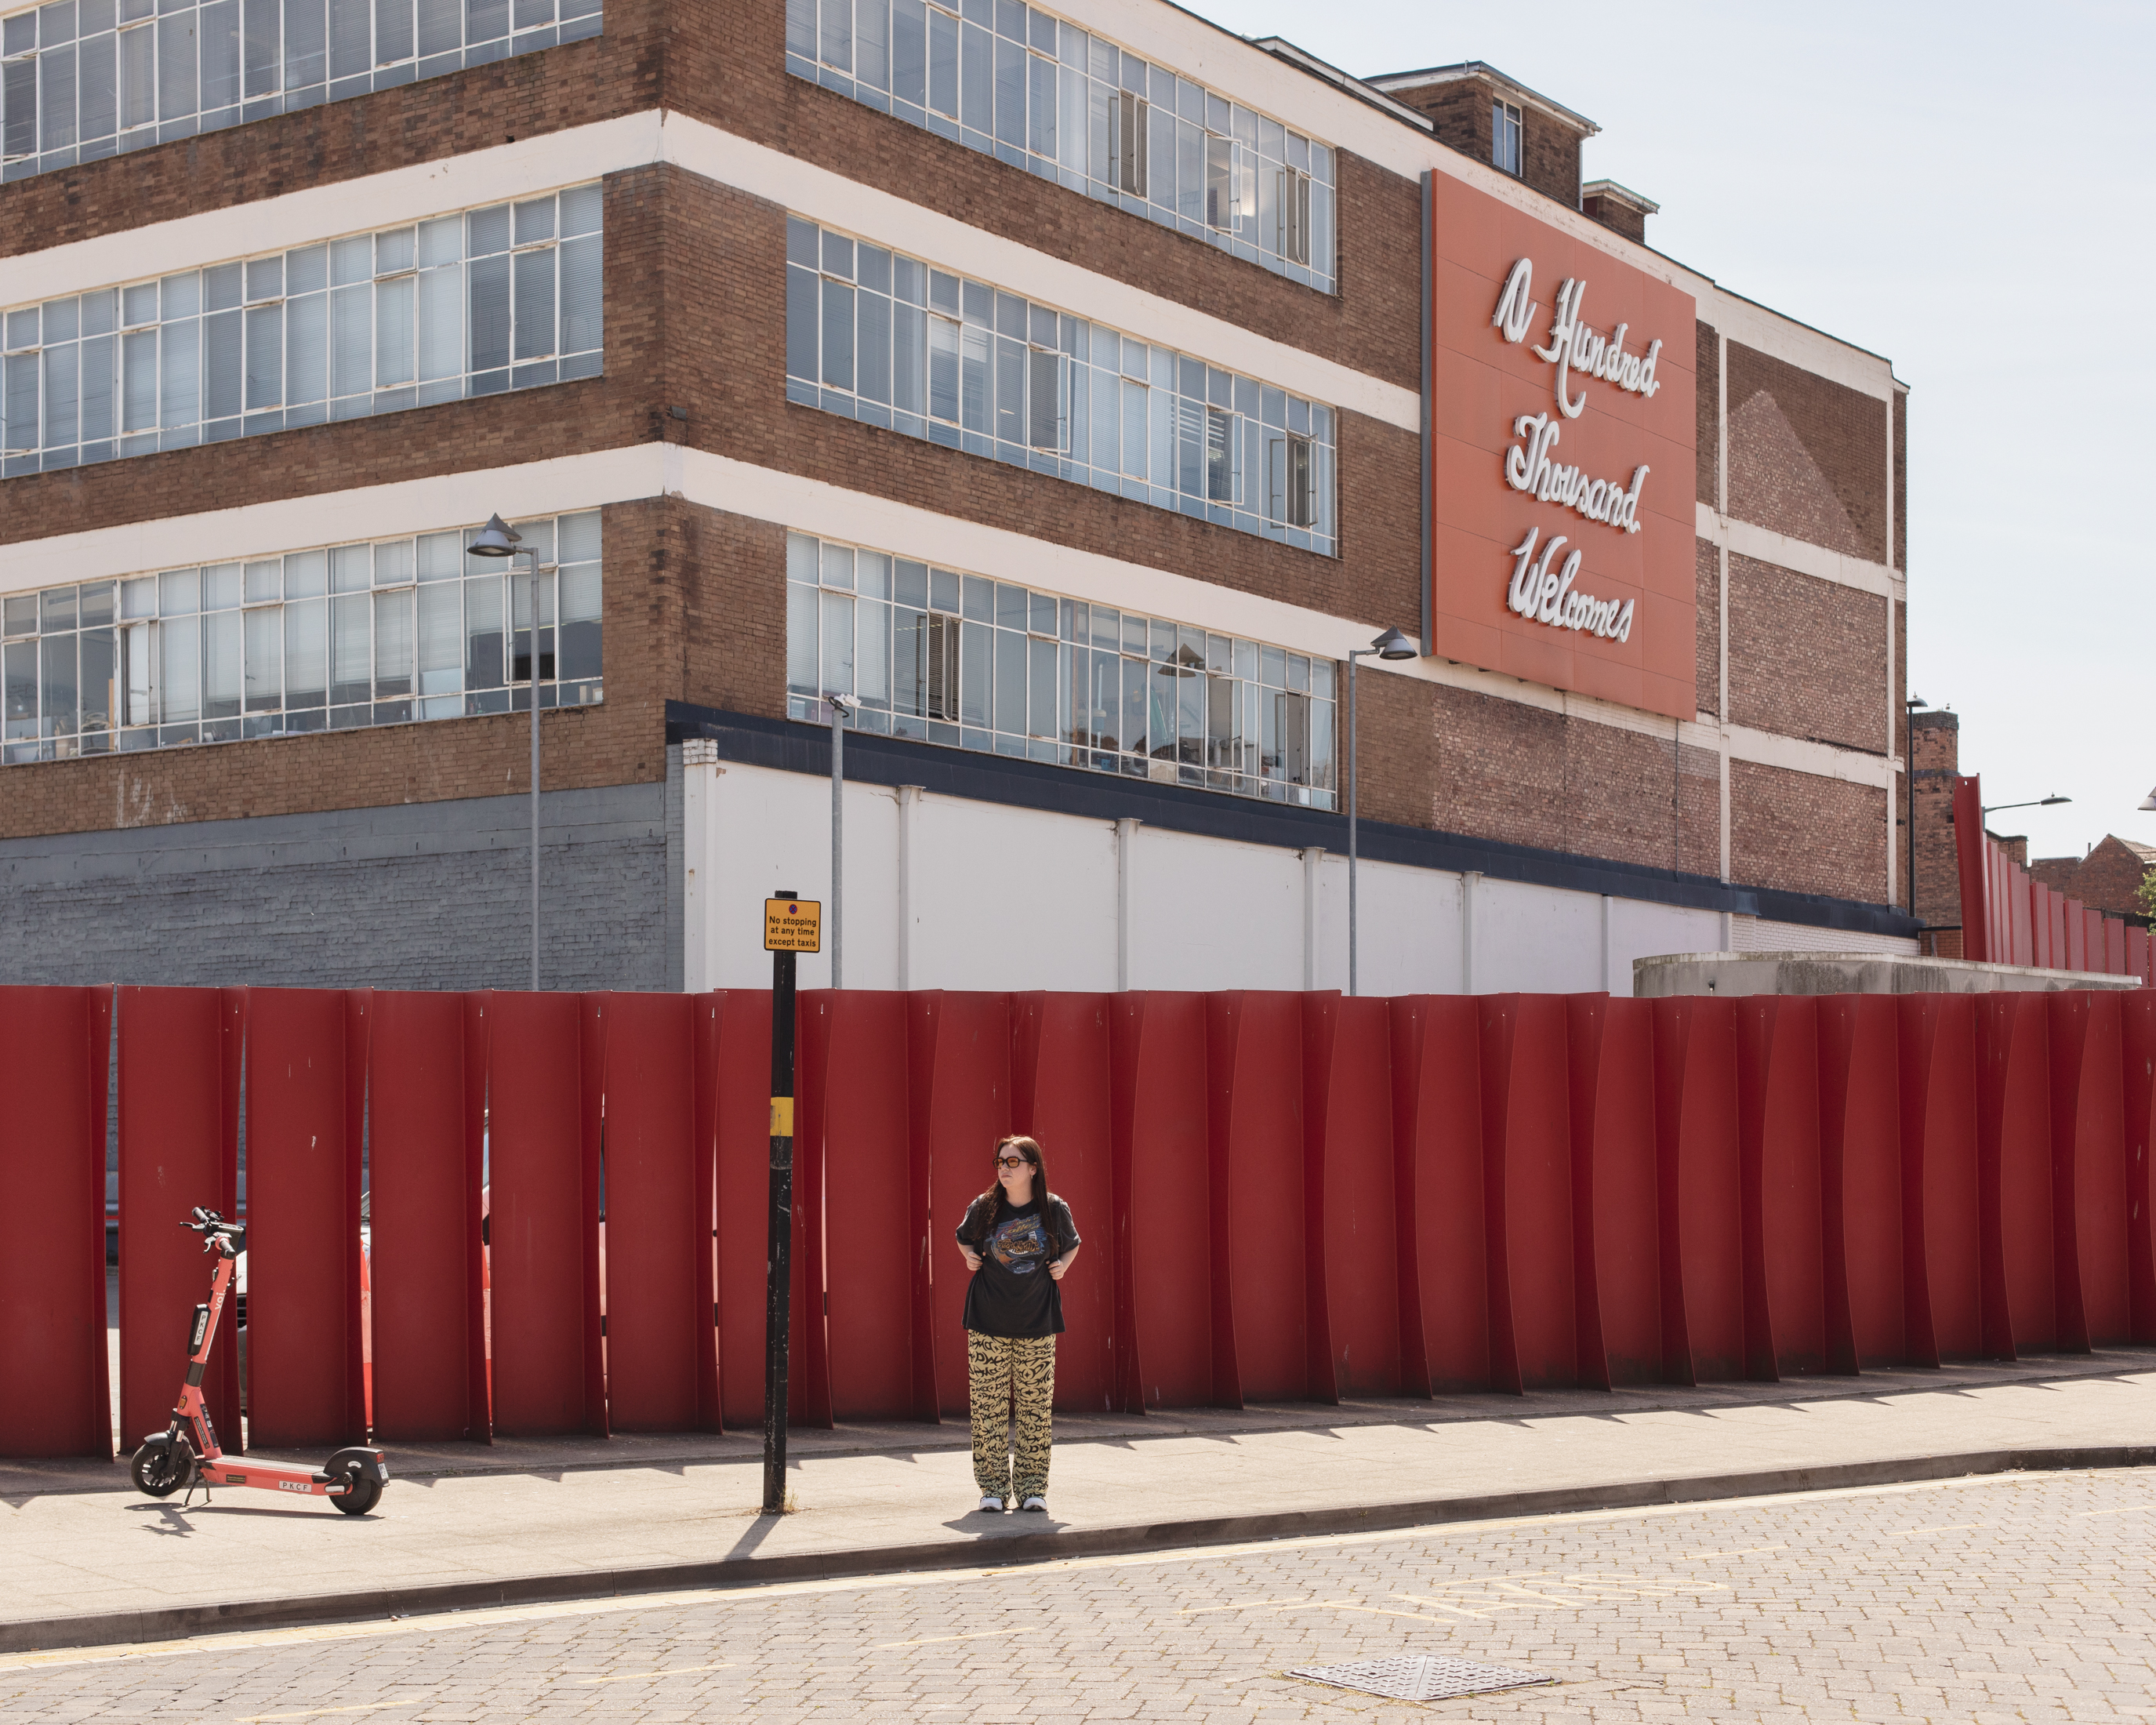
column 778, row 1293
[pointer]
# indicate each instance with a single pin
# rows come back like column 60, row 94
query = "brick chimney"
column 1480, row 112
column 1618, row 207
column 1936, row 742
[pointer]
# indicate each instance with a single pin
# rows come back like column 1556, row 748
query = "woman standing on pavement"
column 1018, row 1239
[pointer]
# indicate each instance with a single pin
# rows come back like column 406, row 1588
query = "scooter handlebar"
column 216, row 1231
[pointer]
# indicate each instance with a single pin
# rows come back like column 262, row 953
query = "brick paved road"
column 2020, row 1599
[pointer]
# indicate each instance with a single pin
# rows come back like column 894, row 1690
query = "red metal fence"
column 2009, row 916
column 1283, row 1196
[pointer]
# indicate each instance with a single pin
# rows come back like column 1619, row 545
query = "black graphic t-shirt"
column 1012, row 1293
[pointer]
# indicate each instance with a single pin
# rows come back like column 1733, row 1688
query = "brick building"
column 2109, row 877
column 1068, row 389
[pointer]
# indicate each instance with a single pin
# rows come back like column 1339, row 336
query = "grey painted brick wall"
column 419, row 896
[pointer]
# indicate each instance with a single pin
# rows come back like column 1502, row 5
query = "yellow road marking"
column 2131, row 1509
column 1748, row 1551
column 677, row 1670
column 364, row 1707
column 1239, row 1606
column 1938, row 1528
column 931, row 1641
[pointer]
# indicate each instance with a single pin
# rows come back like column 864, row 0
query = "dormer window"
column 1504, row 150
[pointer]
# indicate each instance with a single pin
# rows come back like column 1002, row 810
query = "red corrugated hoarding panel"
column 1348, row 1127
column 55, row 1063
column 857, row 1040
column 1061, row 1089
column 179, row 1149
column 1616, row 1232
column 2137, row 1074
column 423, row 1223
column 653, row 1232
column 741, row 1082
column 1785, row 1252
column 1941, row 1217
column 704, row 1010
column 1254, row 1061
column 302, row 1211
column 1166, row 1208
column 1527, row 1186
column 1972, row 864
column 1860, row 1181
column 2089, row 1169
column 2014, row 1173
column 961, row 1047
column 1437, row 1114
column 542, row 1233
column 1702, row 1187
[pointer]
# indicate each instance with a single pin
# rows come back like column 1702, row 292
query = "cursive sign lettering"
column 1574, row 345
column 1543, row 594
column 1529, row 468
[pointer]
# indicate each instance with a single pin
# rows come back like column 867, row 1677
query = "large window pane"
column 581, row 623
column 265, row 658
column 393, row 308
column 177, row 78
column 57, row 671
column 179, row 639
column 483, row 632
column 838, row 334
column 221, row 665
column 350, row 650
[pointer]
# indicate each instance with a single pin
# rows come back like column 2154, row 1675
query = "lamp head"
column 496, row 539
column 2048, row 801
column 2149, row 802
column 1914, row 701
column 1393, row 644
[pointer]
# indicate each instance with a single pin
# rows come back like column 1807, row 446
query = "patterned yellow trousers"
column 1011, row 1380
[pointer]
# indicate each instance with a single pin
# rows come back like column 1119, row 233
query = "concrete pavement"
column 90, row 1561
column 1992, row 1601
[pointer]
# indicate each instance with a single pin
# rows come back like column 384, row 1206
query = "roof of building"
column 1483, row 70
column 1619, row 194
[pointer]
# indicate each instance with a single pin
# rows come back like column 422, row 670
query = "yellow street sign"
column 792, row 925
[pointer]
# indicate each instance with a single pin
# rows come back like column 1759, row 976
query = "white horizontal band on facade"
column 871, row 214
column 1764, row 545
column 532, row 165
column 326, row 211
column 642, row 471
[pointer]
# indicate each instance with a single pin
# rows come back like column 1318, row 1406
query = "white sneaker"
column 992, row 1503
column 1039, row 1503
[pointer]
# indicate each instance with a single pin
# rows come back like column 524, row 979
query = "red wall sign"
column 1562, row 480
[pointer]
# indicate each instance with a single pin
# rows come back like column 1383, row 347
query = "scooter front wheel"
column 361, row 1493
column 161, row 1467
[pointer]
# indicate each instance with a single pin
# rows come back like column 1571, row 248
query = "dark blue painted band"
column 794, row 747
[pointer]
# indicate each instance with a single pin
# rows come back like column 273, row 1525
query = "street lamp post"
column 837, row 840
column 1909, row 768
column 1391, row 644
column 2040, row 802
column 497, row 539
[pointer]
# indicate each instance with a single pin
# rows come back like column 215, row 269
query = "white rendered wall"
column 1012, row 898
column 1207, row 908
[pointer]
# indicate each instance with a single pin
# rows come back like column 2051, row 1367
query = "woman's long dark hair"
column 1029, row 1148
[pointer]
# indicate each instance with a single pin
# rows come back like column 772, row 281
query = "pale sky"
column 1962, row 188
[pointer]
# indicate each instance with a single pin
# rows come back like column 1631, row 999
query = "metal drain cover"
column 1421, row 1677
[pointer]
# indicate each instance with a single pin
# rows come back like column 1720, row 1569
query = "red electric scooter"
column 351, row 1479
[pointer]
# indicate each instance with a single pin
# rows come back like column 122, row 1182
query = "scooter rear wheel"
column 361, row 1495
column 161, row 1468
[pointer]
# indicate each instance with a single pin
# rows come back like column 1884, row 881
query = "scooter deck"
column 270, row 1476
